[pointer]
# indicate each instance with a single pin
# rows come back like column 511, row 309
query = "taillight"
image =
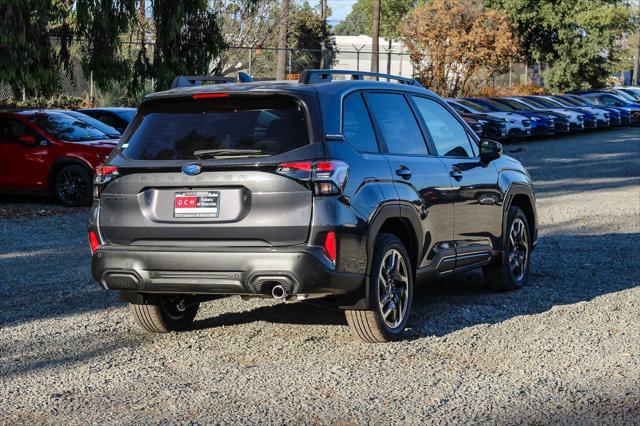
column 93, row 241
column 326, row 177
column 329, row 246
column 104, row 175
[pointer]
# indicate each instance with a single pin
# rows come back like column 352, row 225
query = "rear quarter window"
column 174, row 129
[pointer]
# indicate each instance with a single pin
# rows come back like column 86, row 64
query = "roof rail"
column 320, row 76
column 199, row 80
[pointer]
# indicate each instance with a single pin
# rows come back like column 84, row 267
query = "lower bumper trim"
column 302, row 271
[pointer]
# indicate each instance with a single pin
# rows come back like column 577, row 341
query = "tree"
column 305, row 32
column 577, row 39
column 99, row 26
column 452, row 41
column 187, row 39
column 354, row 24
column 375, row 36
column 36, row 38
column 248, row 23
column 282, row 41
column 37, row 35
column 360, row 19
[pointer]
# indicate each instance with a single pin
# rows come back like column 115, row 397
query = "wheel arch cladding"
column 523, row 202
column 402, row 229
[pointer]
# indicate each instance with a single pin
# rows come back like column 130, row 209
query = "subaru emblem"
column 191, row 169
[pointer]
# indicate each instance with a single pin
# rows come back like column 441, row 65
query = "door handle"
column 456, row 173
column 404, row 172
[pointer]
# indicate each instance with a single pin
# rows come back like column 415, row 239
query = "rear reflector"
column 325, row 166
column 330, row 246
column 93, row 241
column 210, row 95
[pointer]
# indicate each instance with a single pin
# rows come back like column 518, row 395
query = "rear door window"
column 396, row 123
column 448, row 134
column 175, row 129
column 357, row 129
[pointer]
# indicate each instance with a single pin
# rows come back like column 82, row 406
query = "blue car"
column 564, row 120
column 632, row 91
column 613, row 100
column 116, row 117
column 542, row 124
column 501, row 126
column 599, row 117
column 618, row 116
column 104, row 128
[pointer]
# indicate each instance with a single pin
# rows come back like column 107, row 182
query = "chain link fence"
column 260, row 63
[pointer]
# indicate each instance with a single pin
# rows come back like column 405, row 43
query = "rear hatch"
column 202, row 172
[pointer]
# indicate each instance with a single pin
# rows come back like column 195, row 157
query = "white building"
column 349, row 59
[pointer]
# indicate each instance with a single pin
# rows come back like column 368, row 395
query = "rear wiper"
column 225, row 152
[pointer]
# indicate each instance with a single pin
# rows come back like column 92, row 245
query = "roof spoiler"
column 200, row 80
column 325, row 76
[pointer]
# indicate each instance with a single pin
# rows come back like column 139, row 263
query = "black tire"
column 169, row 313
column 501, row 276
column 72, row 186
column 372, row 325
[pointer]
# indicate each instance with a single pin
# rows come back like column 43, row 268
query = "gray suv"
column 353, row 190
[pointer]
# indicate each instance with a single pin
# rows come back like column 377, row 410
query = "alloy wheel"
column 71, row 187
column 518, row 254
column 393, row 288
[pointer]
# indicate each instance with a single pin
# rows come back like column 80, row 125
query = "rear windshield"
column 176, row 129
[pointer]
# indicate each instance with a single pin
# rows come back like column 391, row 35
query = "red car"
column 45, row 151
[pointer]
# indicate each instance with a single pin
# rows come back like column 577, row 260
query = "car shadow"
column 565, row 270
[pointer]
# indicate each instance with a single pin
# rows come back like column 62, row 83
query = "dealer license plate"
column 198, row 204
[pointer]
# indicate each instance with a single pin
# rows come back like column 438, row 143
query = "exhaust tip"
column 278, row 292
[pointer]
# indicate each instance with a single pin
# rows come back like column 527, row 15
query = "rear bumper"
column 302, row 271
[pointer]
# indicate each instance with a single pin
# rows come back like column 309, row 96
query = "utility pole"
column 323, row 17
column 636, row 63
column 389, row 56
column 282, row 41
column 143, row 21
column 375, row 36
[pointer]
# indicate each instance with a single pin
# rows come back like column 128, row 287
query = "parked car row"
column 57, row 151
column 514, row 117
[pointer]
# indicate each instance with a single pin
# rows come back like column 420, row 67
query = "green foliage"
column 64, row 102
column 391, row 13
column 120, row 94
column 248, row 23
column 37, row 36
column 27, row 57
column 577, row 39
column 354, row 24
column 187, row 39
column 99, row 23
column 305, row 32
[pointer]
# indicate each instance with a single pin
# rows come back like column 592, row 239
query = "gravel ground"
column 566, row 349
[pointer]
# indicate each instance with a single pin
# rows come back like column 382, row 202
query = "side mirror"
column 490, row 150
column 27, row 140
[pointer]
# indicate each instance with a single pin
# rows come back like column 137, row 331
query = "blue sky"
column 339, row 8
